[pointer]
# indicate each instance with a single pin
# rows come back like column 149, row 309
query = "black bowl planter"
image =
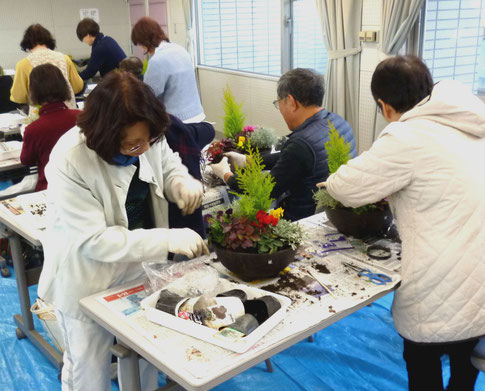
column 253, row 266
column 372, row 223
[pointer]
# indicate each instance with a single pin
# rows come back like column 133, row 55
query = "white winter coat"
column 88, row 247
column 430, row 164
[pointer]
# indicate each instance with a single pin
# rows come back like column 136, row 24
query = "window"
column 453, row 41
column 246, row 35
column 309, row 50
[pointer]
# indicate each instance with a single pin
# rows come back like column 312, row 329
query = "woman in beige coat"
column 429, row 163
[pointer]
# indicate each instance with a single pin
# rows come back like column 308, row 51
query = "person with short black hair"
column 302, row 162
column 49, row 90
column 133, row 65
column 40, row 44
column 170, row 71
column 110, row 180
column 106, row 54
column 427, row 162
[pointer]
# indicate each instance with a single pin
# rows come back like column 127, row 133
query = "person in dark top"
column 302, row 162
column 6, row 104
column 188, row 140
column 106, row 54
column 49, row 90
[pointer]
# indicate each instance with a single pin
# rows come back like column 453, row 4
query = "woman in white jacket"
column 109, row 182
column 429, row 163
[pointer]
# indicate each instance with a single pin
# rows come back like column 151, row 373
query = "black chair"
column 6, row 105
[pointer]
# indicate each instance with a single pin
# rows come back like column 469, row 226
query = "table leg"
column 25, row 322
column 129, row 370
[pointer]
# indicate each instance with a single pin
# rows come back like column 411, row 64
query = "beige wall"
column 61, row 18
column 255, row 93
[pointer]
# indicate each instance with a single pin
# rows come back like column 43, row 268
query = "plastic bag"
column 186, row 279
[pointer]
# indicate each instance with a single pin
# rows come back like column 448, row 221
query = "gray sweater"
column 171, row 75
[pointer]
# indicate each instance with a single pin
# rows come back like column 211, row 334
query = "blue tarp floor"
column 360, row 352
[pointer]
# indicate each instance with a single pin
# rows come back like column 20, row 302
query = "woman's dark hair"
column 85, row 27
column 48, row 85
column 118, row 101
column 147, row 32
column 305, row 85
column 402, row 82
column 133, row 65
column 37, row 35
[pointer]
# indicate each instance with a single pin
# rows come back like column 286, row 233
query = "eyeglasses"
column 379, row 108
column 137, row 147
column 276, row 103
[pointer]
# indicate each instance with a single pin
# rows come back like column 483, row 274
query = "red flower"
column 261, row 215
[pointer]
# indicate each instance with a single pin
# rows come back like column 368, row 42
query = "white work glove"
column 236, row 159
column 221, row 168
column 187, row 193
column 187, row 242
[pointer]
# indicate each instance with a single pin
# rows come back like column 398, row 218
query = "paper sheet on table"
column 29, row 211
column 8, row 120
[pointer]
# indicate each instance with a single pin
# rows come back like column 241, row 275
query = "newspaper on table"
column 311, row 303
column 391, row 264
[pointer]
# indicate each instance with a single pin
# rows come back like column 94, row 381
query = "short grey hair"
column 305, row 85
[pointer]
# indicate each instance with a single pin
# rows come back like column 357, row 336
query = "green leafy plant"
column 263, row 138
column 247, row 224
column 256, row 185
column 234, row 117
column 338, row 153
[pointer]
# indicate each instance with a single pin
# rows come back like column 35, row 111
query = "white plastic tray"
column 206, row 333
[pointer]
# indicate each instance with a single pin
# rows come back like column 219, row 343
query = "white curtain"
column 398, row 19
column 341, row 21
column 189, row 31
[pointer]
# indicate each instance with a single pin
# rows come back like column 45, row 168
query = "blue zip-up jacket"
column 106, row 55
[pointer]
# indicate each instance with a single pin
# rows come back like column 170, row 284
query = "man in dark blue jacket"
column 106, row 54
column 302, row 162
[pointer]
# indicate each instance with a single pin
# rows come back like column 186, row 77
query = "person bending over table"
column 106, row 54
column 110, row 180
column 302, row 162
column 49, row 90
column 188, row 140
column 426, row 162
column 170, row 72
column 39, row 42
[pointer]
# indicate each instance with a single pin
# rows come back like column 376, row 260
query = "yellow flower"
column 241, row 141
column 277, row 212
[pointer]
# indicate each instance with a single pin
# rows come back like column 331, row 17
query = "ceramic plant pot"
column 372, row 223
column 251, row 266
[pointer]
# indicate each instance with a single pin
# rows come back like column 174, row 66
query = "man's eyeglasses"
column 276, row 103
column 379, row 108
column 137, row 147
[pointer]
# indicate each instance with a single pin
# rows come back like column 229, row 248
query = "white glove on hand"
column 187, row 242
column 221, row 168
column 236, row 159
column 188, row 194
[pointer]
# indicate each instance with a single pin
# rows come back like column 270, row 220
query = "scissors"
column 375, row 278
